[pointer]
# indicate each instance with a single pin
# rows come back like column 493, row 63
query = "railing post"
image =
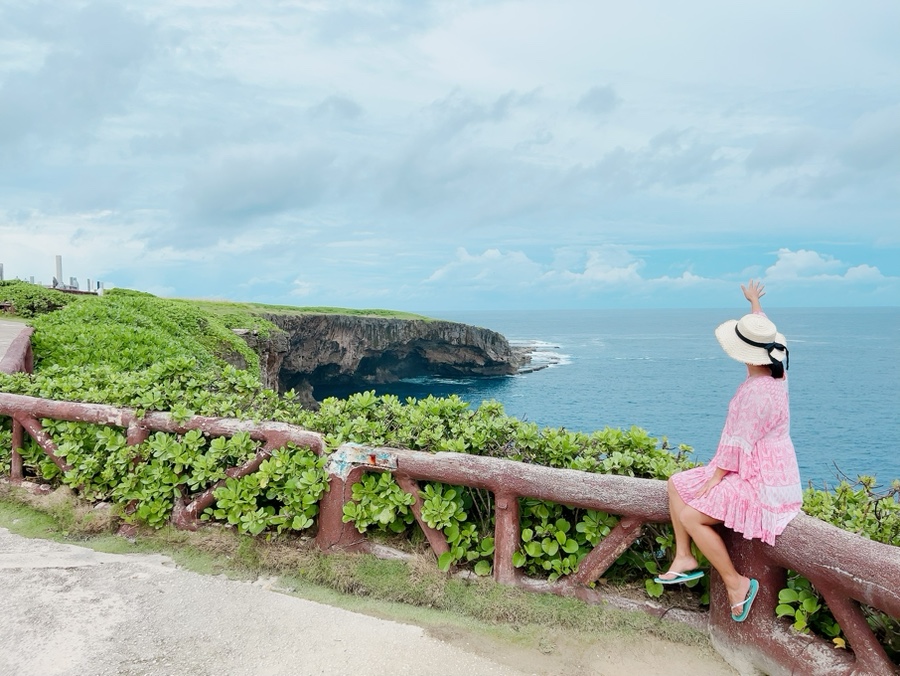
column 16, row 474
column 871, row 656
column 434, row 536
column 137, row 433
column 507, row 534
column 607, row 551
column 333, row 533
column 39, row 434
column 764, row 641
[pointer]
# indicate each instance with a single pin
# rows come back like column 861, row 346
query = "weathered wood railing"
column 18, row 356
column 845, row 568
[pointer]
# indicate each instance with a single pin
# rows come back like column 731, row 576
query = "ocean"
column 663, row 370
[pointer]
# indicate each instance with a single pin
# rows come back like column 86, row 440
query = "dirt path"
column 68, row 610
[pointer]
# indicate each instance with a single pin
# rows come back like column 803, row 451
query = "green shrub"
column 30, row 300
column 129, row 331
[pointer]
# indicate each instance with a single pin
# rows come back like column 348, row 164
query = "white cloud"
column 801, row 263
column 92, row 245
column 609, row 265
column 490, row 269
column 302, row 289
column 804, row 265
column 197, row 146
column 863, row 273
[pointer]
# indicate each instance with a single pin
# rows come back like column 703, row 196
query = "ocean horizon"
column 663, row 371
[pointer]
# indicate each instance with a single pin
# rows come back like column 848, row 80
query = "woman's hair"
column 777, row 370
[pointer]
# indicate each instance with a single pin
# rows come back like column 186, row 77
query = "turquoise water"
column 664, row 371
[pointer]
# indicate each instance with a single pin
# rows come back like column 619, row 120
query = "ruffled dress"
column 761, row 492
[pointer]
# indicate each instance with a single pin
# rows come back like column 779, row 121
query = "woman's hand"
column 712, row 482
column 753, row 292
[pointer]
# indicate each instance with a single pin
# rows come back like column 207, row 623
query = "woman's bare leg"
column 684, row 559
column 700, row 528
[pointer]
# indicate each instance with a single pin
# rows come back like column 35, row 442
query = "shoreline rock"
column 325, row 351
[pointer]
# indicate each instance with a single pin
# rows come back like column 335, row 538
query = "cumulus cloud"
column 607, row 265
column 489, row 269
column 596, row 270
column 804, row 265
column 302, row 289
column 801, row 263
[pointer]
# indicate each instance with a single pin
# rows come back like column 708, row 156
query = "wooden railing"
column 845, row 568
column 18, row 357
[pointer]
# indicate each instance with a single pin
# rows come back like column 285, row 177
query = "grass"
column 218, row 307
column 413, row 591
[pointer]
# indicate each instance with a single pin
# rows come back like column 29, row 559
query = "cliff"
column 317, row 353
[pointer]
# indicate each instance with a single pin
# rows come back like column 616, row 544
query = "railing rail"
column 18, row 356
column 846, row 568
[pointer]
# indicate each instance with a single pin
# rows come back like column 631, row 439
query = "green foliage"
column 800, row 602
column 555, row 539
column 444, row 508
column 30, row 300
column 284, row 494
column 858, row 508
column 378, row 501
column 5, row 449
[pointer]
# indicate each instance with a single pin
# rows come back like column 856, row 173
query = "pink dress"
column 761, row 492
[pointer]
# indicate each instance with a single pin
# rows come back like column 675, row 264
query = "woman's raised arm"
column 753, row 292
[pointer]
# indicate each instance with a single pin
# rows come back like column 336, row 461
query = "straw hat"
column 753, row 339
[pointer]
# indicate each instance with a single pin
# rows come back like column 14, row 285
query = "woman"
column 752, row 484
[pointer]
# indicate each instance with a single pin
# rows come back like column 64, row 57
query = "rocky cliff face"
column 325, row 351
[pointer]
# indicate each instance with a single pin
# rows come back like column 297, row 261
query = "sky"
column 427, row 156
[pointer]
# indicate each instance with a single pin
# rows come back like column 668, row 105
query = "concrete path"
column 71, row 611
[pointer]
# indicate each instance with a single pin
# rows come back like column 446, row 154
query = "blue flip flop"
column 747, row 603
column 679, row 577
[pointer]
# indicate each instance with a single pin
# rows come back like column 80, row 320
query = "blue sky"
column 432, row 156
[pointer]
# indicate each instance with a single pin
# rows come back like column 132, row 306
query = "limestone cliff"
column 327, row 351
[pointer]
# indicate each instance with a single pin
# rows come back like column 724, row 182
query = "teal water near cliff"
column 664, row 371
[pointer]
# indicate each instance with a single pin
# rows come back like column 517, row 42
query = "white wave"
column 533, row 344
column 431, row 380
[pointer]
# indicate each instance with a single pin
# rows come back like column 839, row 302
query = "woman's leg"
column 700, row 528
column 684, row 559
